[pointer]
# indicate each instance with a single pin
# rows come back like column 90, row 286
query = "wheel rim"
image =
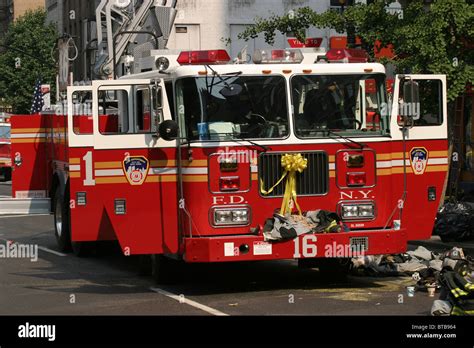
column 58, row 217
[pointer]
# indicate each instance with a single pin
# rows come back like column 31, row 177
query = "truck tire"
column 7, row 174
column 163, row 269
column 144, row 265
column 62, row 229
column 307, row 263
column 334, row 269
column 83, row 249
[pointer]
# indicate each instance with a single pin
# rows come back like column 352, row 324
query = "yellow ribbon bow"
column 291, row 164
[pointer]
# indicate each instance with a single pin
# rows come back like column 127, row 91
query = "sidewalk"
column 435, row 244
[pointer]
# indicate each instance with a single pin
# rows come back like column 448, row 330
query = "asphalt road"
column 109, row 284
column 5, row 188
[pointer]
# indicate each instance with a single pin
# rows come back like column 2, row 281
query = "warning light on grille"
column 229, row 183
column 356, row 179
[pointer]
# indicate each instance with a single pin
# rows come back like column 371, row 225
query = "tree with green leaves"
column 435, row 39
column 26, row 57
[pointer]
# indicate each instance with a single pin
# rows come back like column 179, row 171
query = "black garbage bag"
column 455, row 222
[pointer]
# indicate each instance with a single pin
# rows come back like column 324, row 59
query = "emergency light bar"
column 204, row 57
column 347, row 55
column 289, row 56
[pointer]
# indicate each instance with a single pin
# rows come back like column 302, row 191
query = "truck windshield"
column 352, row 105
column 230, row 108
column 4, row 133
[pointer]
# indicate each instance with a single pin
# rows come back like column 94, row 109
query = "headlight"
column 240, row 216
column 366, row 210
column 222, row 216
column 358, row 211
column 349, row 211
column 234, row 216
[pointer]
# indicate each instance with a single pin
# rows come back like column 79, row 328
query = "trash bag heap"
column 451, row 273
column 455, row 222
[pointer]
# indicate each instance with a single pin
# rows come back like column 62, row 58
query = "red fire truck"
column 177, row 161
column 5, row 162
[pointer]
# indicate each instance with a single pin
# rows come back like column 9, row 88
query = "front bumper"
column 253, row 248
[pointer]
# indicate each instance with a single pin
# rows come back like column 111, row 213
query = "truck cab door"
column 419, row 150
column 130, row 171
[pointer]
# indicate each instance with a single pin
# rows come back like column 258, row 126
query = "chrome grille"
column 359, row 244
column 313, row 181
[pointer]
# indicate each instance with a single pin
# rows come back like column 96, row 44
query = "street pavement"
column 5, row 189
column 109, row 284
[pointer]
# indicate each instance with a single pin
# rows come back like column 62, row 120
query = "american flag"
column 38, row 103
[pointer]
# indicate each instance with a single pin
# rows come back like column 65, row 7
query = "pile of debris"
column 451, row 273
column 288, row 227
column 455, row 222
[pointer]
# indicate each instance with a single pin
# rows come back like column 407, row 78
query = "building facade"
column 21, row 6
column 11, row 10
column 217, row 24
column 200, row 24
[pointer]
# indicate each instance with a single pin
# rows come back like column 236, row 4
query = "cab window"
column 126, row 110
column 429, row 111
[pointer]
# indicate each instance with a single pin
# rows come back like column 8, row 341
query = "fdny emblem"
column 136, row 169
column 419, row 160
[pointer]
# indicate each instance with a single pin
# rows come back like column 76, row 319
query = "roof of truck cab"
column 265, row 69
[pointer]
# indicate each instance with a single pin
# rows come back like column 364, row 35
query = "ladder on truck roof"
column 120, row 21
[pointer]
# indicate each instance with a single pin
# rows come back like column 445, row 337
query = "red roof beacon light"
column 347, row 55
column 204, row 57
column 290, row 56
column 4, row 119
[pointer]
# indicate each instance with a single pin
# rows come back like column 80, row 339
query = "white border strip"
column 438, row 161
column 192, row 303
column 399, row 163
column 199, row 170
column 163, row 171
column 27, row 135
column 108, row 172
column 153, row 171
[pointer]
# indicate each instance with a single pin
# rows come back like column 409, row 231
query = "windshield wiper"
column 223, row 80
column 362, row 146
column 262, row 147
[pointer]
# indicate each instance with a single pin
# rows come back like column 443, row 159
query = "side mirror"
column 168, row 130
column 411, row 99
